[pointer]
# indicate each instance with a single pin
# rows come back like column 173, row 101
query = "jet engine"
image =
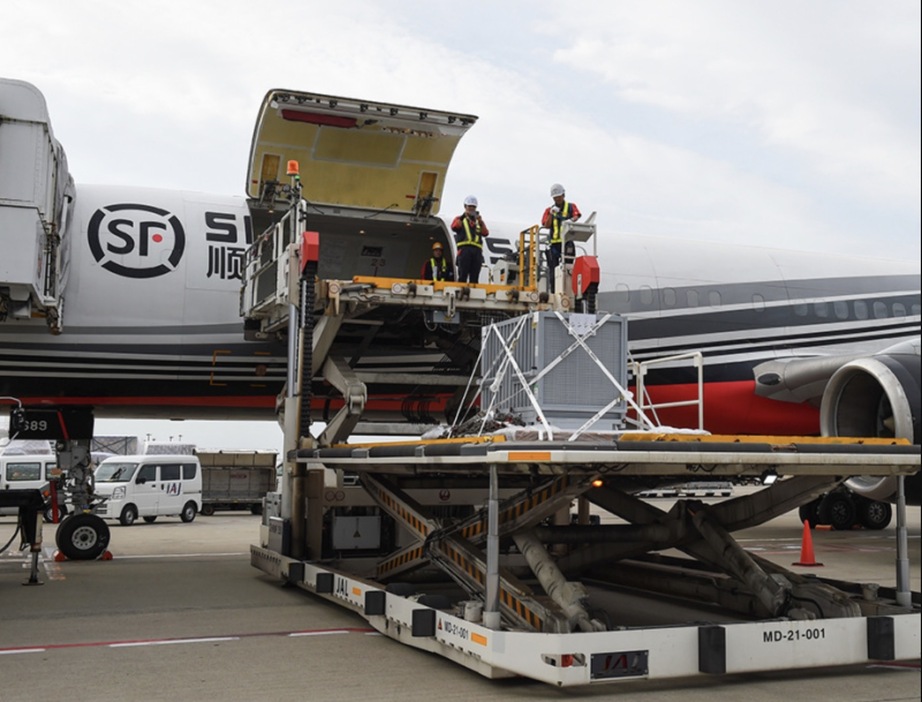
column 877, row 396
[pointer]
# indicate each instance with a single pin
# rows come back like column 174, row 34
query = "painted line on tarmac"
column 168, row 642
column 181, row 640
column 897, row 665
column 180, row 555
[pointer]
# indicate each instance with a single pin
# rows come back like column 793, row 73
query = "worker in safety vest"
column 437, row 268
column 553, row 219
column 469, row 230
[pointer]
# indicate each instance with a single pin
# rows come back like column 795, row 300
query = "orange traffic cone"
column 806, row 549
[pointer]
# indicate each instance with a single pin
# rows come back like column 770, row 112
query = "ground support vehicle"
column 148, row 486
column 453, row 547
column 235, row 480
column 465, row 546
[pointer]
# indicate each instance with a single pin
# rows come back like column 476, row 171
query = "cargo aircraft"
column 127, row 301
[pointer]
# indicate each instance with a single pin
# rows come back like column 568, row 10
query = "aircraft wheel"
column 207, row 510
column 810, row 512
column 150, row 520
column 188, row 512
column 838, row 509
column 82, row 537
column 49, row 517
column 129, row 515
column 874, row 514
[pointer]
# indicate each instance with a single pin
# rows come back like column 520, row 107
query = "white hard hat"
column 470, row 200
column 557, row 189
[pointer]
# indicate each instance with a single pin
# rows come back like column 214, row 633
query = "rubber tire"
column 207, row 510
column 188, row 512
column 874, row 514
column 810, row 512
column 838, row 510
column 151, row 519
column 62, row 512
column 82, row 537
column 128, row 516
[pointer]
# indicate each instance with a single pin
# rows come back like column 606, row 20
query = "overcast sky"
column 786, row 123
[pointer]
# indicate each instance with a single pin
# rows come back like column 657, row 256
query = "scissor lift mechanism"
column 532, row 606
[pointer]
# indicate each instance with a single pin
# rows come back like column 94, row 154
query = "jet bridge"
column 36, row 198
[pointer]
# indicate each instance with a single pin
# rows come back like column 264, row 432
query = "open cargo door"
column 353, row 153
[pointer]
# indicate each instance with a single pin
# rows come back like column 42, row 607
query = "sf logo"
column 136, row 241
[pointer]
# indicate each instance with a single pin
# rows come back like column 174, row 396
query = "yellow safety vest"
column 473, row 238
column 556, row 220
column 438, row 272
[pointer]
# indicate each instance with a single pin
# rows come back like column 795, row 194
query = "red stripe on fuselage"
column 729, row 408
column 733, row 408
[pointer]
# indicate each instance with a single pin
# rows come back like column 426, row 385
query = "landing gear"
column 48, row 515
column 842, row 510
column 810, row 512
column 874, row 514
column 838, row 510
column 82, row 537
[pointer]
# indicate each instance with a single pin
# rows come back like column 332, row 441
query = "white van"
column 32, row 472
column 148, row 487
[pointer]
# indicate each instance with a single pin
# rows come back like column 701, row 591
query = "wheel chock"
column 59, row 557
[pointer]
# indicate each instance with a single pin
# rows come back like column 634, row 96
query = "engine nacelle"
column 877, row 396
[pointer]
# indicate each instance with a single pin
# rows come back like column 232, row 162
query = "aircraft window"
column 622, row 293
column 861, row 309
column 188, row 471
column 646, row 295
column 899, row 309
column 23, row 471
column 669, row 297
column 821, row 309
column 880, row 310
column 758, row 303
column 714, row 298
column 801, row 309
column 841, row 309
column 170, row 471
column 692, row 298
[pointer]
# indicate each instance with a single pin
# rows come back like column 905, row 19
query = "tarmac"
column 180, row 614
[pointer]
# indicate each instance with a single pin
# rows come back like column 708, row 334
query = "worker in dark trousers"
column 436, row 267
column 553, row 219
column 469, row 230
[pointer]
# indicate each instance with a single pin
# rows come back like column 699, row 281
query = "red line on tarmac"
column 180, row 640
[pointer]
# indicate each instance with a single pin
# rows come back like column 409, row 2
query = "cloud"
column 834, row 87
column 788, row 123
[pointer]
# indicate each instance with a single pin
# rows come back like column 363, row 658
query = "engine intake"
column 876, row 396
